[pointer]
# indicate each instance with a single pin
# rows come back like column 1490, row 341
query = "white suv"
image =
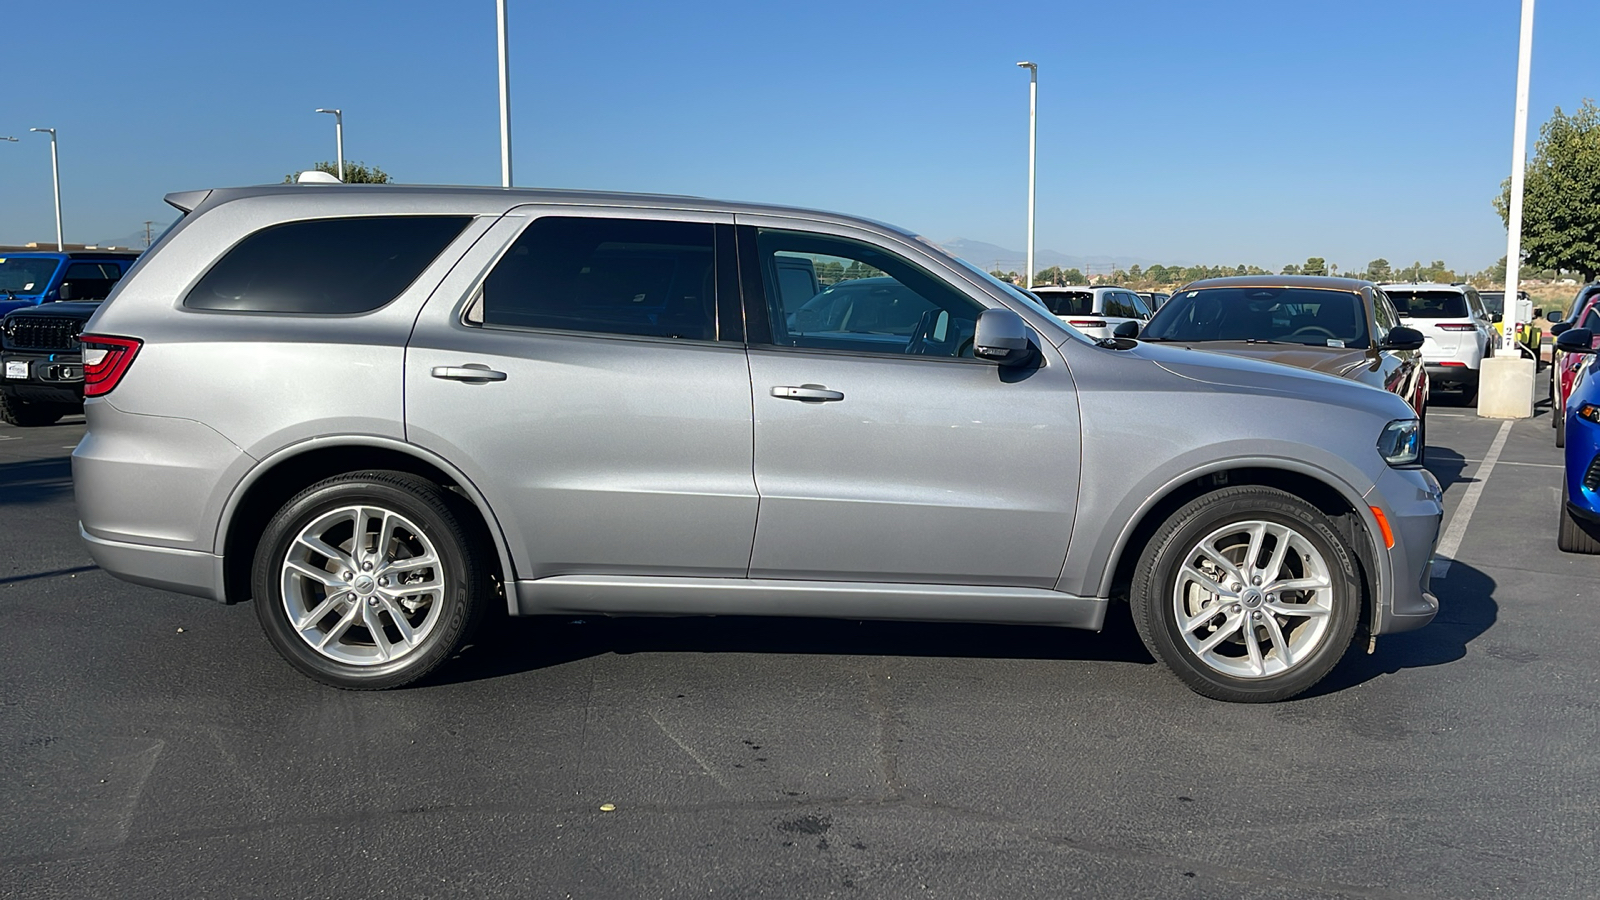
column 1095, row 311
column 1458, row 331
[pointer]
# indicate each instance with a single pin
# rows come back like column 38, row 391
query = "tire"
column 1577, row 536
column 307, row 570
column 1469, row 394
column 1316, row 626
column 1561, row 427
column 28, row 415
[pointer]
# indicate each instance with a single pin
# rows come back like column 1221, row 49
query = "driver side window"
column 831, row 293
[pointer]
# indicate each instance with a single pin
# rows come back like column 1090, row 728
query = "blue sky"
column 1258, row 132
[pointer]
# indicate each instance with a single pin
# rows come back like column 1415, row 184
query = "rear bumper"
column 1451, row 376
column 184, row 571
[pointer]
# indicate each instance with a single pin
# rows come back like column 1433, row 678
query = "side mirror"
column 1576, row 340
column 1128, row 329
column 1538, row 312
column 1001, row 337
column 66, row 291
column 1560, row 327
column 1495, row 318
column 1403, row 338
column 1553, row 315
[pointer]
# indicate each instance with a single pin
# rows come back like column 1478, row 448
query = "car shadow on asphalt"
column 512, row 645
column 1446, row 465
column 1467, row 609
column 35, row 481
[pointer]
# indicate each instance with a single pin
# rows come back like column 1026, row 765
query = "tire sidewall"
column 320, row 499
column 1156, row 578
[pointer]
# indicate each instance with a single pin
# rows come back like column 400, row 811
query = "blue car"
column 32, row 277
column 1580, row 508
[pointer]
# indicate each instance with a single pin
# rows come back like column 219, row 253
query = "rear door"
column 577, row 367
column 883, row 451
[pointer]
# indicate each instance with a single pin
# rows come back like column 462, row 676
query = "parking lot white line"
column 1512, row 462
column 1451, row 542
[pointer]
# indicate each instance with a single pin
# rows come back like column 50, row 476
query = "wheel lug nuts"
column 384, row 581
column 373, row 601
column 1234, row 608
column 366, row 567
column 1256, row 580
column 347, row 575
column 1256, row 614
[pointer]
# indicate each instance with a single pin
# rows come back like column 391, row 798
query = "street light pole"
column 55, row 174
column 1033, row 145
column 505, row 98
column 1519, row 165
column 338, row 136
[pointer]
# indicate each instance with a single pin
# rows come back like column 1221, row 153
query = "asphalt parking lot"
column 155, row 745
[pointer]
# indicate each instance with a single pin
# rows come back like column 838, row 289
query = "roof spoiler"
column 186, row 201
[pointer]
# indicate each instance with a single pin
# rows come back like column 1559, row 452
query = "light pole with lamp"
column 55, row 173
column 338, row 136
column 1033, row 144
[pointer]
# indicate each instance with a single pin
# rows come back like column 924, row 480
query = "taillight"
column 105, row 360
column 1456, row 327
column 1086, row 323
column 1453, row 363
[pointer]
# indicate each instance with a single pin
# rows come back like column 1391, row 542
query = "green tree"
column 1291, row 269
column 1052, row 275
column 1379, row 270
column 1561, row 195
column 1074, row 276
column 354, row 173
column 1315, row 265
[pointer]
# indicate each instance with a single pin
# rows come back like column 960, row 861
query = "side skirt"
column 634, row 595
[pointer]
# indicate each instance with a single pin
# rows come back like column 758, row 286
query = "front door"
column 883, row 450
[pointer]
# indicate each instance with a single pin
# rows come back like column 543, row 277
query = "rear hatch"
column 1442, row 317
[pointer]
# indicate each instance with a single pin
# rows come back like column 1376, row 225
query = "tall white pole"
column 338, row 138
column 1033, row 145
column 55, row 175
column 505, row 99
column 1519, row 164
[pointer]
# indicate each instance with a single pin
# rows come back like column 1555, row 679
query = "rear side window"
column 325, row 266
column 609, row 276
column 1430, row 304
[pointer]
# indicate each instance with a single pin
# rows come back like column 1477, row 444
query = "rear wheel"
column 1561, row 427
column 26, row 414
column 1247, row 594
column 1576, row 535
column 369, row 580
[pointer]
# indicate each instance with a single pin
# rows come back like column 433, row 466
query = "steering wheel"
column 1313, row 328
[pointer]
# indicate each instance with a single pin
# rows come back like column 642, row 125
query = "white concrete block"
column 1505, row 388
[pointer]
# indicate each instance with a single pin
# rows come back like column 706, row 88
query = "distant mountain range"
column 992, row 256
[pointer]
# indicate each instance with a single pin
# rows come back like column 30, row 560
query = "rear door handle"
column 471, row 372
column 813, row 392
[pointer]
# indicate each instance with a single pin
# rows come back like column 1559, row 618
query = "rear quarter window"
column 325, row 266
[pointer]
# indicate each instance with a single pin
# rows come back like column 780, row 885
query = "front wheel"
column 369, row 580
column 1247, row 594
column 27, row 414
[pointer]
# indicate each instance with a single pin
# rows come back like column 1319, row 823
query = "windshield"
column 1429, row 304
column 1069, row 303
column 1308, row 316
column 26, row 274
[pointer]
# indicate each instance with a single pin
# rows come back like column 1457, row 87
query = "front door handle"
column 471, row 372
column 813, row 392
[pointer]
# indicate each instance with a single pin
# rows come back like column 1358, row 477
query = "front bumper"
column 1413, row 502
column 43, row 377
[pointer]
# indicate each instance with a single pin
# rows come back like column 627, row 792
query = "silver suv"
column 384, row 412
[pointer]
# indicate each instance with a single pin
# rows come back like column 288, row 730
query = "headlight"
column 1401, row 442
column 1589, row 411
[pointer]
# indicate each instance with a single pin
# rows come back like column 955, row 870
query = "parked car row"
column 1579, row 527
column 49, row 296
column 378, row 413
column 1566, row 358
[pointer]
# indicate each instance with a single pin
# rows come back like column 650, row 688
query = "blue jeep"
column 31, row 277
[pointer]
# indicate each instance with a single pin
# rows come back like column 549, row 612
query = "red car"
column 1585, row 314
